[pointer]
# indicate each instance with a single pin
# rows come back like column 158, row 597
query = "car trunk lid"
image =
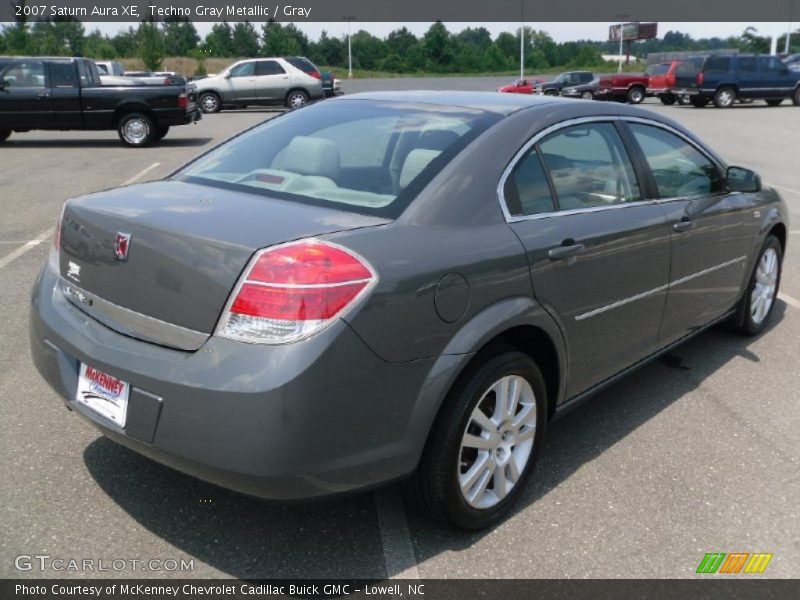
column 171, row 252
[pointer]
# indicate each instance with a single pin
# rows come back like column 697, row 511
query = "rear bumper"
column 318, row 417
column 180, row 117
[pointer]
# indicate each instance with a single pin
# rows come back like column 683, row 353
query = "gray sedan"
column 397, row 286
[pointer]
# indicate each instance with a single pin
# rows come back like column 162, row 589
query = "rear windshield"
column 357, row 155
column 301, row 63
column 656, row 70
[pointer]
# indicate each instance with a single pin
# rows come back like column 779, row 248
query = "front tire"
column 210, row 103
column 136, row 130
column 4, row 133
column 636, row 95
column 484, row 443
column 296, row 99
column 725, row 97
column 765, row 281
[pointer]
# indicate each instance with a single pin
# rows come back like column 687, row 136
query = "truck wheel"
column 484, row 442
column 668, row 99
column 636, row 95
column 296, row 99
column 587, row 95
column 774, row 101
column 725, row 97
column 698, row 101
column 4, row 133
column 796, row 97
column 210, row 103
column 136, row 130
column 161, row 131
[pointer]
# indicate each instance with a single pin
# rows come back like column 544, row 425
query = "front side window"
column 679, row 169
column 589, row 167
column 25, row 73
column 247, row 69
column 357, row 155
column 526, row 190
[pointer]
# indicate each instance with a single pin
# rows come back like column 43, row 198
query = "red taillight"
column 700, row 78
column 57, row 232
column 292, row 291
column 183, row 101
column 316, row 74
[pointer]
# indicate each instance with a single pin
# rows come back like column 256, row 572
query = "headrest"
column 309, row 156
column 415, row 163
column 437, row 139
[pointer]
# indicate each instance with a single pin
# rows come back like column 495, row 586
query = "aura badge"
column 122, row 245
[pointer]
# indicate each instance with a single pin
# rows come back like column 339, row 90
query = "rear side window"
column 301, row 63
column 526, row 190
column 589, row 167
column 678, row 167
column 63, row 74
column 269, row 67
column 717, row 64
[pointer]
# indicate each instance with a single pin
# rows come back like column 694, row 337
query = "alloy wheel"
column 209, row 103
column 497, row 443
column 766, row 283
column 297, row 99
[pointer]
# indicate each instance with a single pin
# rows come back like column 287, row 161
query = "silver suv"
column 264, row 81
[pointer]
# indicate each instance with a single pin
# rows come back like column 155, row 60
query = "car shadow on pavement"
column 610, row 416
column 111, row 142
column 248, row 538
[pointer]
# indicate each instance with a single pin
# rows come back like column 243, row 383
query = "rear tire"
column 668, row 99
column 210, row 103
column 796, row 97
column 725, row 97
column 4, row 133
column 296, row 99
column 475, row 486
column 774, row 101
column 636, row 94
column 698, row 101
column 765, row 280
column 136, row 130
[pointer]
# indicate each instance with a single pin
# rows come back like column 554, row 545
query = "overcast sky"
column 561, row 32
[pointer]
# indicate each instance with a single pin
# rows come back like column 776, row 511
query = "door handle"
column 566, row 250
column 685, row 224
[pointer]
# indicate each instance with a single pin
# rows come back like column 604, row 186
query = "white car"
column 262, row 81
column 113, row 73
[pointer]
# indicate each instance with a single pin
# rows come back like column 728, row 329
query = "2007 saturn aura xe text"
column 397, row 286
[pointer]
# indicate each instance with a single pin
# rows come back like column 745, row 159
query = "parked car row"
column 697, row 80
column 57, row 93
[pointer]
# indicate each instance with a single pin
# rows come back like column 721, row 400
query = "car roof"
column 499, row 103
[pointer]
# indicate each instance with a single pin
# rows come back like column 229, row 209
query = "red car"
column 623, row 87
column 663, row 81
column 521, row 86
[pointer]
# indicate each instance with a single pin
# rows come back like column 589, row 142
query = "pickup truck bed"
column 66, row 94
column 623, row 87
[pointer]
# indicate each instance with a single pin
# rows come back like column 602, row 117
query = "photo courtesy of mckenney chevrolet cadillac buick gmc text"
column 397, row 286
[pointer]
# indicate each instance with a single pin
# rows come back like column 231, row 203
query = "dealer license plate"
column 104, row 394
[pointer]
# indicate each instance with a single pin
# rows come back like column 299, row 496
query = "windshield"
column 357, row 155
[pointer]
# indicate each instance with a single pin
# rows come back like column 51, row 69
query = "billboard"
column 632, row 31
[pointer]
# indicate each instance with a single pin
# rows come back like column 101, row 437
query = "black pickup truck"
column 66, row 93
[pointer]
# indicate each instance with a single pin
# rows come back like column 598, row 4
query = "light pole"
column 789, row 30
column 521, row 39
column 622, row 18
column 349, row 46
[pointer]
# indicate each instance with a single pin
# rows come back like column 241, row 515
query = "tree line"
column 472, row 50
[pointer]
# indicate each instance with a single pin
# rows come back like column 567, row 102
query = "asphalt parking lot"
column 698, row 452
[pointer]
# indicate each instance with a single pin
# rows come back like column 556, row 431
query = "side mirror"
column 739, row 179
column 227, row 75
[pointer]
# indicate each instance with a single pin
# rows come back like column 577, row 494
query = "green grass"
column 608, row 67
